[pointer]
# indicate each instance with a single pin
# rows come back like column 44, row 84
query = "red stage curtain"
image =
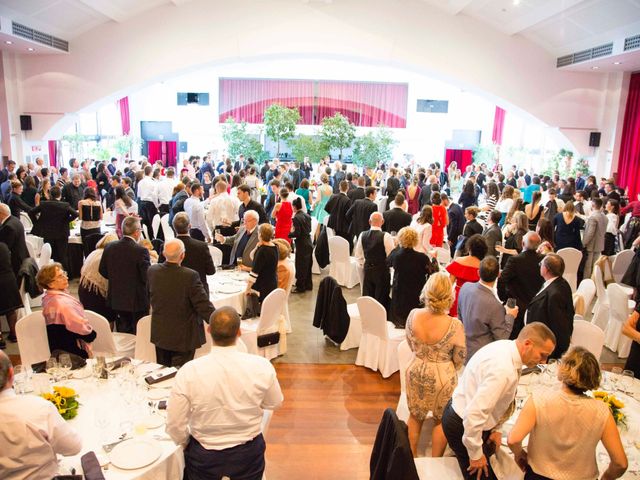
column 155, row 151
column 172, row 154
column 463, row 158
column 167, row 152
column 123, row 106
column 629, row 160
column 53, row 153
column 498, row 125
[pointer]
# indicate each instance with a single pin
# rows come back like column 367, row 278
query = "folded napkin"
column 161, row 375
column 91, row 467
column 117, row 363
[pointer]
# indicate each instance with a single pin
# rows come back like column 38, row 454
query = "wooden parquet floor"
column 327, row 424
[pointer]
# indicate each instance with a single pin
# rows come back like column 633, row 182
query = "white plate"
column 229, row 289
column 164, row 384
column 154, row 421
column 135, row 453
column 81, row 373
column 158, row 393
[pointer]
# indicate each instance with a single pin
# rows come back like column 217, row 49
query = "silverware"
column 110, row 446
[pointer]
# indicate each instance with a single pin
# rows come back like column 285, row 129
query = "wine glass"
column 19, row 378
column 626, row 381
column 52, row 368
column 616, row 373
column 65, row 364
column 108, row 366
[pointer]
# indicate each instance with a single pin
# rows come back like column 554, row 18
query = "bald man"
column 372, row 250
column 179, row 304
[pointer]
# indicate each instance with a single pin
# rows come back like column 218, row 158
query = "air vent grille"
column 632, row 43
column 40, row 37
column 584, row 55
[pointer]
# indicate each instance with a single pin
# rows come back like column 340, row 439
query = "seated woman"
column 410, row 275
column 555, row 418
column 263, row 277
column 285, row 267
column 93, row 287
column 67, row 326
column 439, row 344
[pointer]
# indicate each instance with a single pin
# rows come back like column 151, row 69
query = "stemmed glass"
column 626, row 381
column 616, row 373
column 52, row 368
column 108, row 366
column 65, row 364
column 19, row 378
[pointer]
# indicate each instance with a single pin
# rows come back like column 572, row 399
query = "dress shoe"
column 297, row 290
column 3, row 344
column 12, row 338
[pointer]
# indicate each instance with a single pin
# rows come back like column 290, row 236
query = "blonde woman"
column 555, row 418
column 263, row 277
column 324, row 192
column 513, row 235
column 285, row 268
column 439, row 345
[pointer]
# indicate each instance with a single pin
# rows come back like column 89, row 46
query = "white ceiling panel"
column 26, row 7
column 69, row 19
column 602, row 16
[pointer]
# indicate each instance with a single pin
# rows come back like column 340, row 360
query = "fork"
column 109, row 446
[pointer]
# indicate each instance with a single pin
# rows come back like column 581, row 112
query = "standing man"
column 553, row 305
column 179, row 304
column 147, row 189
column 396, row 218
column 485, row 396
column 393, row 186
column 360, row 211
column 304, row 247
column 73, row 192
column 372, row 250
column 492, row 232
column 51, row 221
column 244, row 195
column 593, row 239
column 217, row 404
column 124, row 263
column 165, row 191
column 194, row 208
column 196, row 252
column 357, row 192
column 337, row 207
column 455, row 227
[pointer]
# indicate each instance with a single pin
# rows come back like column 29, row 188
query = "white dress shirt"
column 165, row 190
column 223, row 210
column 485, row 391
column 194, row 208
column 148, row 190
column 389, row 245
column 219, row 398
column 32, row 432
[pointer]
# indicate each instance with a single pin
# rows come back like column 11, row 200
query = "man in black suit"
column 456, row 223
column 339, row 176
column 337, row 208
column 244, row 195
column 12, row 234
column 393, row 185
column 304, row 247
column 553, row 305
column 124, row 263
column 51, row 221
column 179, row 304
column 360, row 211
column 492, row 233
column 396, row 218
column 358, row 192
column 196, row 252
column 521, row 279
column 244, row 242
column 73, row 191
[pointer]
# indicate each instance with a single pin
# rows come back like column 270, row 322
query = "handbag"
column 268, row 339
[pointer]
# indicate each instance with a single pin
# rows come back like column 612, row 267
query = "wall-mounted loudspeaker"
column 594, row 139
column 25, row 122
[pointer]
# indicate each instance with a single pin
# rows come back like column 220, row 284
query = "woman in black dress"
column 567, row 228
column 468, row 195
column 410, row 275
column 89, row 213
column 263, row 277
column 10, row 300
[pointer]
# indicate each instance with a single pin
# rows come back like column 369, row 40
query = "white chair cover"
column 45, row 255
column 315, row 268
column 619, row 310
column 272, row 308
column 381, row 201
column 443, row 255
column 145, row 231
column 145, row 350
column 342, row 266
column 108, row 343
column 26, row 222
column 155, row 225
column 589, row 336
column 109, row 217
column 438, row 468
column 360, row 270
column 588, row 290
column 292, row 279
column 166, row 228
column 31, row 248
column 572, row 258
column 620, row 264
column 33, row 342
column 216, row 255
column 405, row 357
column 354, row 334
column 601, row 308
column 380, row 339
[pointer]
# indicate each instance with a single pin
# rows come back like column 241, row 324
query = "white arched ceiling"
column 116, row 58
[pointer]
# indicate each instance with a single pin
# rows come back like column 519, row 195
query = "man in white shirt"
column 223, row 209
column 165, row 191
column 217, row 405
column 32, row 432
column 147, row 199
column 484, row 396
column 195, row 209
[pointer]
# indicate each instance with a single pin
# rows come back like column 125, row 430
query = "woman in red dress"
column 467, row 269
column 283, row 213
column 440, row 220
column 413, row 197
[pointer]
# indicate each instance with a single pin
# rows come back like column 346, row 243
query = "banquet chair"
column 438, row 468
column 587, row 289
column 45, row 255
column 155, row 225
column 354, row 334
column 589, row 336
column 144, row 350
column 292, row 280
column 572, row 258
column 405, row 357
column 108, row 343
column 601, row 308
column 109, row 218
column 380, row 339
column 330, row 231
column 166, row 228
column 216, row 255
column 145, row 231
column 360, row 270
column 271, row 310
column 443, row 255
column 31, row 248
column 620, row 306
column 26, row 222
column 620, row 264
column 342, row 267
column 33, row 342
column 206, row 347
column 381, row 202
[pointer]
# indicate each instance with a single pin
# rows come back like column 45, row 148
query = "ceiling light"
column 595, row 68
column 8, row 42
column 617, row 63
column 516, row 2
column 31, row 49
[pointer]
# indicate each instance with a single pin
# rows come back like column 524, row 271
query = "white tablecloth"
column 226, row 289
column 74, row 235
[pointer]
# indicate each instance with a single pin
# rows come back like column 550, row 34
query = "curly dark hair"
column 477, row 246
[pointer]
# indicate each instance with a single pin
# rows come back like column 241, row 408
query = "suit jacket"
column 337, row 208
column 594, row 230
column 17, row 205
column 51, row 219
column 179, row 303
column 393, row 185
column 492, row 235
column 456, row 222
column 253, row 205
column 12, row 234
column 247, row 257
column 355, row 193
column 553, row 306
column 337, row 178
column 72, row 194
column 521, row 279
column 484, row 318
column 358, row 215
column 124, row 263
column 395, row 219
column 197, row 257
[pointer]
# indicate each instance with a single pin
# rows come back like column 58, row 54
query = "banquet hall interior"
column 380, row 159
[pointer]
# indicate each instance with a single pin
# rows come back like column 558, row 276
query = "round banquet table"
column 227, row 287
column 75, row 251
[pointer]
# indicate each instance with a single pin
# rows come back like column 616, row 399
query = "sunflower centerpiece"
column 66, row 401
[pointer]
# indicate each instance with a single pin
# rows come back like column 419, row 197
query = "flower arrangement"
column 614, row 405
column 66, row 401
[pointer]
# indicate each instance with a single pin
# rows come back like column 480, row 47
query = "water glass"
column 65, row 364
column 626, row 381
column 20, row 379
column 616, row 373
column 52, row 368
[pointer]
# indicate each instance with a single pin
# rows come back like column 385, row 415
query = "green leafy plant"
column 280, row 123
column 308, row 146
column 100, row 153
column 239, row 141
column 126, row 144
column 373, row 147
column 76, row 143
column 486, row 154
column 338, row 132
